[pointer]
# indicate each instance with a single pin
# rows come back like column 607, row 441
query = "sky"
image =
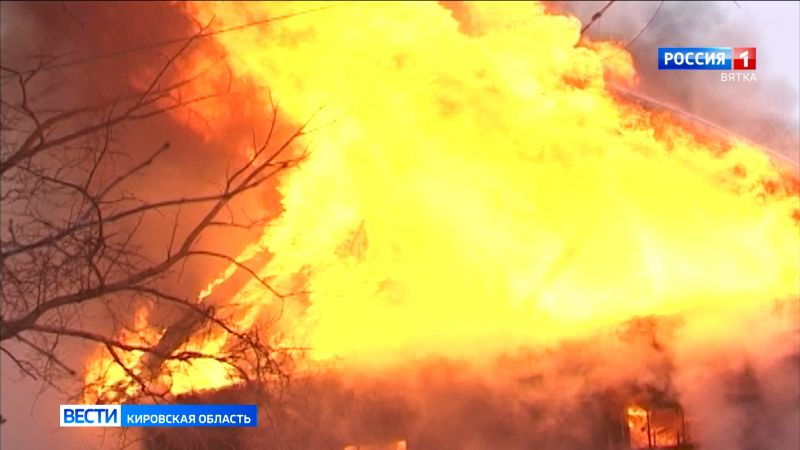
column 777, row 27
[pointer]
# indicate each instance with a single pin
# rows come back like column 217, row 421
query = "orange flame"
column 637, row 426
column 474, row 185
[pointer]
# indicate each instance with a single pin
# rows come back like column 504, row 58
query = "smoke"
column 92, row 53
column 736, row 374
column 765, row 111
column 570, row 396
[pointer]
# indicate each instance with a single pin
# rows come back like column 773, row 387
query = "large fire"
column 473, row 185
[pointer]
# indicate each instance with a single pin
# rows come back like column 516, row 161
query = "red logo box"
column 744, row 58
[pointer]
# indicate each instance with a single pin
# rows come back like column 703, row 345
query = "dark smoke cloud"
column 99, row 52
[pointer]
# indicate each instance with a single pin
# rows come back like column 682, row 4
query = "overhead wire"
column 596, row 16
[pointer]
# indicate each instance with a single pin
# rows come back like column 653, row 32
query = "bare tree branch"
column 71, row 240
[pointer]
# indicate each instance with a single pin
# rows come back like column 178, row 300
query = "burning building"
column 477, row 236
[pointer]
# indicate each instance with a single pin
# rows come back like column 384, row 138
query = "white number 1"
column 744, row 55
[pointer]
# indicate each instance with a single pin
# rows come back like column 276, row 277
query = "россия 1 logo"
column 711, row 58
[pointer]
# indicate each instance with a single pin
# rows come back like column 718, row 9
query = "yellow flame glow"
column 474, row 185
